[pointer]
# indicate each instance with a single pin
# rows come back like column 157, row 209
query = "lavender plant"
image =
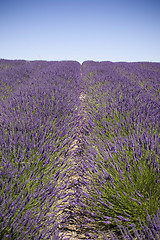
column 124, row 134
column 36, row 130
column 107, row 183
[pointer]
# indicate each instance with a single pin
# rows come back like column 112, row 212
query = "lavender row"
column 113, row 115
column 123, row 149
column 37, row 126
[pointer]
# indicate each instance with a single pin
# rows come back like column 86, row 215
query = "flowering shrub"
column 124, row 145
column 36, row 129
column 79, row 148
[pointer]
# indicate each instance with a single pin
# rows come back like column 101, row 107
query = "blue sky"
column 99, row 30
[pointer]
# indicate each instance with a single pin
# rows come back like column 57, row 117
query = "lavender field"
column 79, row 150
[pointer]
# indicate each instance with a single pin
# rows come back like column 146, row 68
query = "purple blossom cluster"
column 37, row 126
column 79, row 149
column 123, row 147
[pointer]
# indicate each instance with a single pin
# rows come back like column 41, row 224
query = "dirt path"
column 74, row 180
column 74, row 177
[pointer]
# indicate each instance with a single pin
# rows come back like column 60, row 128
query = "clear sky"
column 99, row 30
